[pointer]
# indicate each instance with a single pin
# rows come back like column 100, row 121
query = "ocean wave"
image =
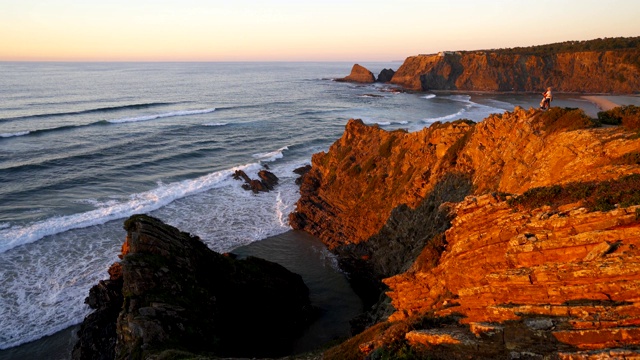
column 271, row 156
column 144, row 202
column 369, row 121
column 460, row 98
column 215, row 124
column 163, row 115
column 20, row 133
column 42, row 131
column 115, row 121
column 91, row 111
column 428, row 96
column 446, row 117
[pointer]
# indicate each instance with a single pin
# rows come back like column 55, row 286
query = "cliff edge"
column 516, row 237
column 612, row 71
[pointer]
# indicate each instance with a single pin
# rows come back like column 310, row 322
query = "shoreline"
column 602, row 103
column 299, row 252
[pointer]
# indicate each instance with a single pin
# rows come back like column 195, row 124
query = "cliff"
column 513, row 237
column 610, row 71
column 172, row 297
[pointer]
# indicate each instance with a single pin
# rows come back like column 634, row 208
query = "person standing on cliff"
column 546, row 99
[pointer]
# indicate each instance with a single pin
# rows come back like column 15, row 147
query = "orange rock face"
column 359, row 74
column 351, row 190
column 592, row 71
column 512, row 281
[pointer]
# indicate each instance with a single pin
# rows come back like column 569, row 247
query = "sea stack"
column 359, row 74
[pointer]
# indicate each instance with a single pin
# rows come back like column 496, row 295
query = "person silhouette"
column 546, row 99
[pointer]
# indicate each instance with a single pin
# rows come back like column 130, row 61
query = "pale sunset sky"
column 287, row 30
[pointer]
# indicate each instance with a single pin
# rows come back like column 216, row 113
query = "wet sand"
column 601, row 102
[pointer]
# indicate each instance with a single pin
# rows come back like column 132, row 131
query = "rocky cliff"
column 172, row 297
column 613, row 71
column 513, row 237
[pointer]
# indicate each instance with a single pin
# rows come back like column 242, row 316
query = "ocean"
column 85, row 145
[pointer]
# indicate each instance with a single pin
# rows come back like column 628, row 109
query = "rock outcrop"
column 615, row 71
column 359, row 74
column 385, row 75
column 267, row 182
column 171, row 295
column 514, row 237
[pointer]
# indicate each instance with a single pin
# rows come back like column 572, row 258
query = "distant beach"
column 605, row 103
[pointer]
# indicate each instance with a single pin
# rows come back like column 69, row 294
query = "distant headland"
column 610, row 65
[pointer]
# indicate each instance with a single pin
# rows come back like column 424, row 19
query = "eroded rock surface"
column 613, row 71
column 470, row 271
column 178, row 295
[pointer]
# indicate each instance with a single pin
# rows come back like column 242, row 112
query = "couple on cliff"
column 545, row 104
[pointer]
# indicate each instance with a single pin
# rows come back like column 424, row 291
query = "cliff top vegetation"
column 601, row 44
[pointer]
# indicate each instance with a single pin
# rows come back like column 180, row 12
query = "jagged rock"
column 239, row 174
column 269, row 180
column 97, row 334
column 302, row 171
column 538, row 282
column 386, row 75
column 359, row 74
column 177, row 295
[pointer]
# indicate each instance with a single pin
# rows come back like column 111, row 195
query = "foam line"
column 163, row 115
column 145, row 202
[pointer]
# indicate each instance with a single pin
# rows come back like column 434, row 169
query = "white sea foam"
column 446, row 117
column 20, row 133
column 215, row 124
column 44, row 285
column 162, row 115
column 428, row 96
column 271, row 156
column 370, row 121
column 138, row 203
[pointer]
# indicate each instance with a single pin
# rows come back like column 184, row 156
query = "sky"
column 287, row 30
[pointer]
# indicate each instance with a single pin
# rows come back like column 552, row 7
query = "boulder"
column 359, row 74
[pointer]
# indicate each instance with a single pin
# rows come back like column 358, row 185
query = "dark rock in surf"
column 385, row 75
column 97, row 334
column 301, row 171
column 269, row 180
column 239, row 174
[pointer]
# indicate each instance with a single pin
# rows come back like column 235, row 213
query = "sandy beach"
column 601, row 102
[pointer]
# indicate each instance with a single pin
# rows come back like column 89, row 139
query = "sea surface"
column 85, row 145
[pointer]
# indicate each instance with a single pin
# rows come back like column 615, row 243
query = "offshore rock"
column 615, row 71
column 385, row 75
column 359, row 74
column 267, row 181
column 178, row 295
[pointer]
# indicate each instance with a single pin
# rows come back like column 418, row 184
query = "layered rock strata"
column 615, row 71
column 480, row 275
column 172, row 296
